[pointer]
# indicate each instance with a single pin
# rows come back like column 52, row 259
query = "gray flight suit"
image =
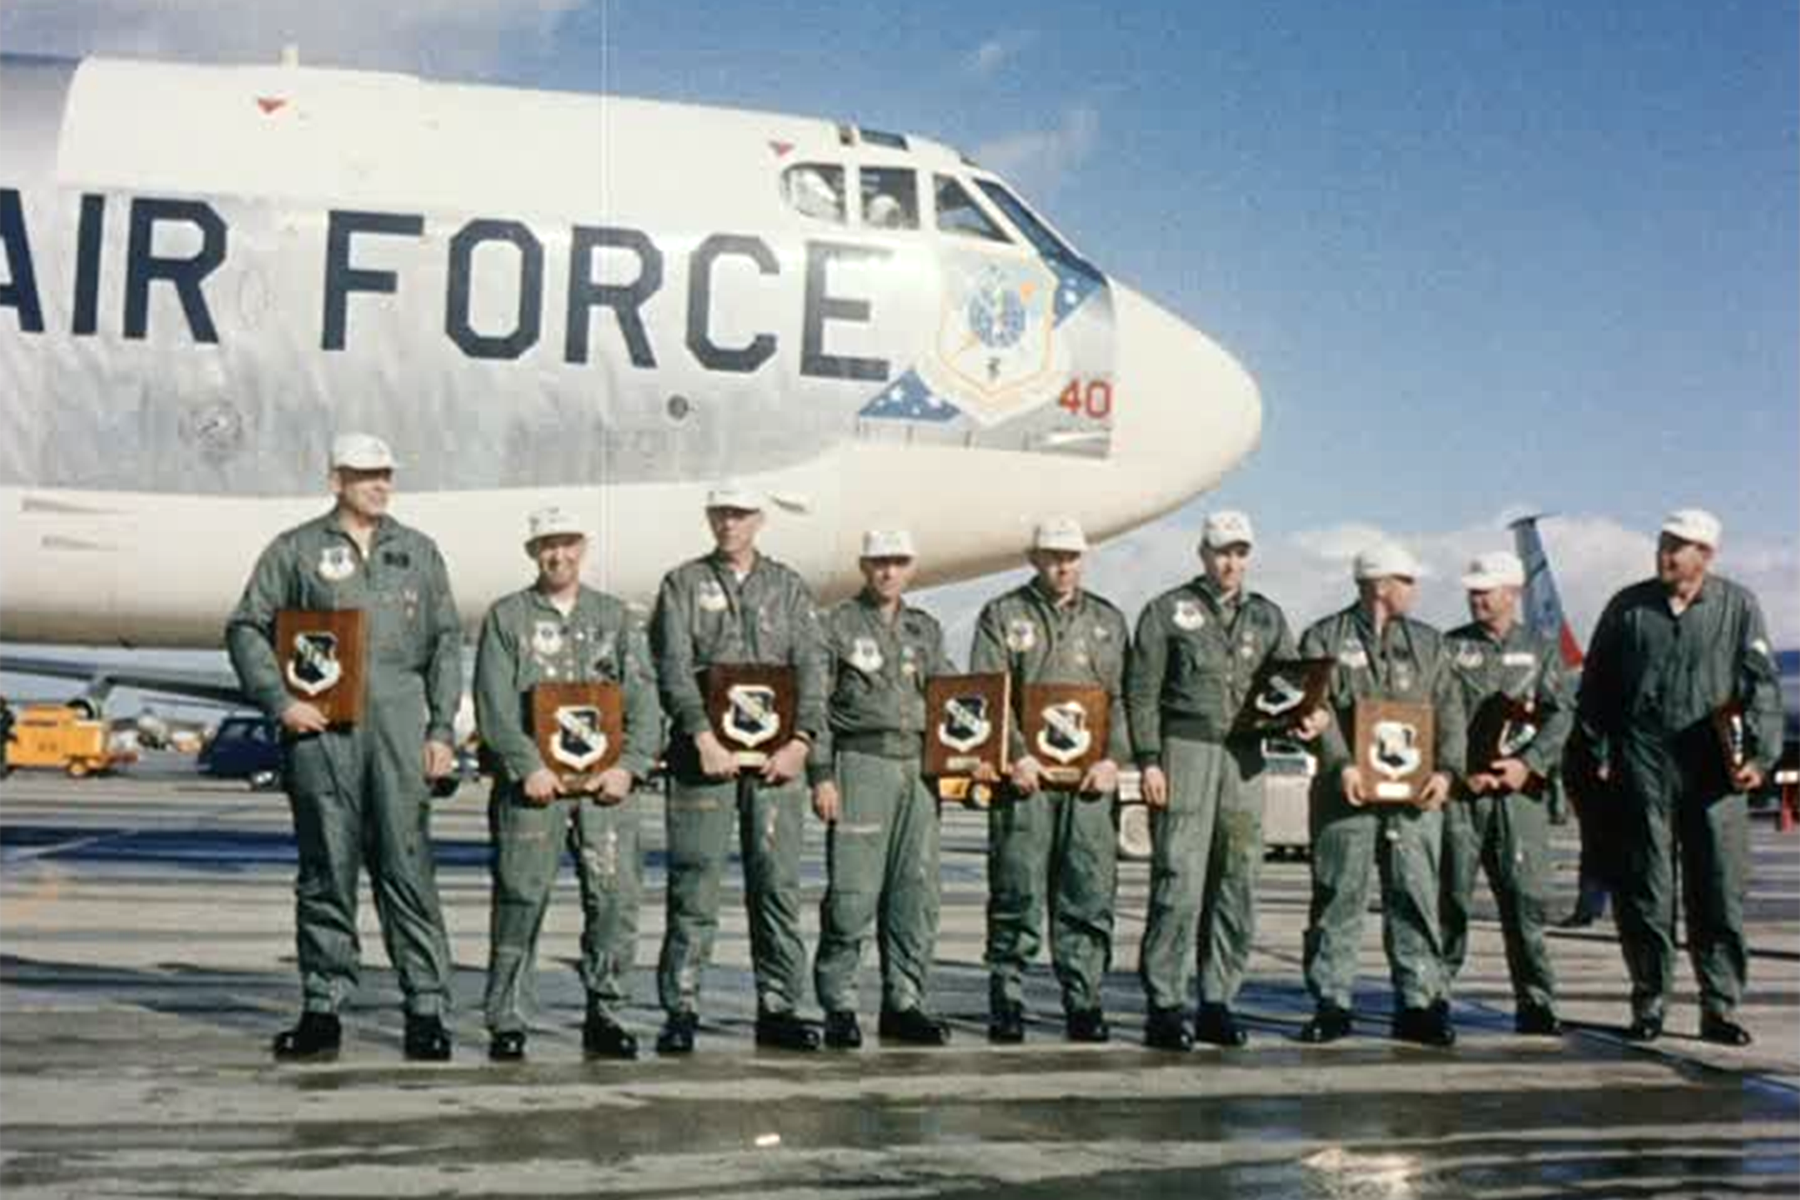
column 704, row 615
column 359, row 793
column 1651, row 684
column 527, row 640
column 1507, row 833
column 881, row 854
column 1407, row 663
column 1054, row 849
column 1191, row 666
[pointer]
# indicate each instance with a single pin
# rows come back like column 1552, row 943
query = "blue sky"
column 1480, row 256
column 1475, row 253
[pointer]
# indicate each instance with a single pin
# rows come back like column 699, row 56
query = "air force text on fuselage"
column 501, row 255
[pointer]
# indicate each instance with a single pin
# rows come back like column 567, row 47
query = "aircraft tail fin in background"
column 1543, row 606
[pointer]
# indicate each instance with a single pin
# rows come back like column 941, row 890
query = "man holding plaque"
column 360, row 792
column 881, row 844
column 1051, row 631
column 1681, row 708
column 547, row 637
column 1198, row 647
column 733, row 608
column 1375, row 804
column 1520, row 710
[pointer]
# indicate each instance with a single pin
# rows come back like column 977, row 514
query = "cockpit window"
column 815, row 190
column 877, row 137
column 890, row 198
column 958, row 213
column 1035, row 231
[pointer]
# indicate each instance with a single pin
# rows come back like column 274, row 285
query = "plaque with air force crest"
column 1728, row 729
column 579, row 729
column 751, row 708
column 321, row 657
column 1282, row 692
column 1394, row 747
column 967, row 722
column 1066, row 727
column 1502, row 728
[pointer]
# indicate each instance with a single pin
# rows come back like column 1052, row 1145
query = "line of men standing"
column 1667, row 653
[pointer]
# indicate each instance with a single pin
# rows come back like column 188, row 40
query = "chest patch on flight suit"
column 1352, row 655
column 546, row 639
column 336, row 564
column 397, row 558
column 1469, row 658
column 1403, row 677
column 1021, row 635
column 1519, row 658
column 711, row 597
column 865, row 654
column 1189, row 615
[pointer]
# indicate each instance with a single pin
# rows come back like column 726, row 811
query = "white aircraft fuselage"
column 206, row 272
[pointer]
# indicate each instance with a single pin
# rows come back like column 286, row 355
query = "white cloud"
column 1037, row 160
column 445, row 38
column 985, row 60
column 1307, row 572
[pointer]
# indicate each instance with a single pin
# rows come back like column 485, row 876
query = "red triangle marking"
column 270, row 104
column 780, row 148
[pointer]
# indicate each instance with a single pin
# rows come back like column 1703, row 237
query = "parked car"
column 247, row 748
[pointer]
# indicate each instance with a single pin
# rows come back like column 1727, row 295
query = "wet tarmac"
column 146, row 959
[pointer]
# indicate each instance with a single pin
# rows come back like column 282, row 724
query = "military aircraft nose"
column 1186, row 411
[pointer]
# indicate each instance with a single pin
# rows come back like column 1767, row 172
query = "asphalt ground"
column 146, row 959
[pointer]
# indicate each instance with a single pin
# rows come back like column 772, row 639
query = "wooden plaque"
column 967, row 720
column 1503, row 727
column 1728, row 727
column 579, row 729
column 321, row 655
column 751, row 708
column 1394, row 744
column 1282, row 692
column 1066, row 726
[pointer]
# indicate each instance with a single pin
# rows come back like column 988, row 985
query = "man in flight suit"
column 1197, row 649
column 735, row 605
column 1053, row 849
column 6, row 736
column 881, row 844
column 1667, row 654
column 1498, row 819
column 362, row 793
column 1382, row 654
column 560, row 631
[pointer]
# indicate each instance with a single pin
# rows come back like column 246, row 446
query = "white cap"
column 1060, row 533
column 1497, row 568
column 1384, row 559
column 1694, row 525
column 552, row 522
column 361, row 452
column 887, row 543
column 1227, row 528
column 734, row 495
